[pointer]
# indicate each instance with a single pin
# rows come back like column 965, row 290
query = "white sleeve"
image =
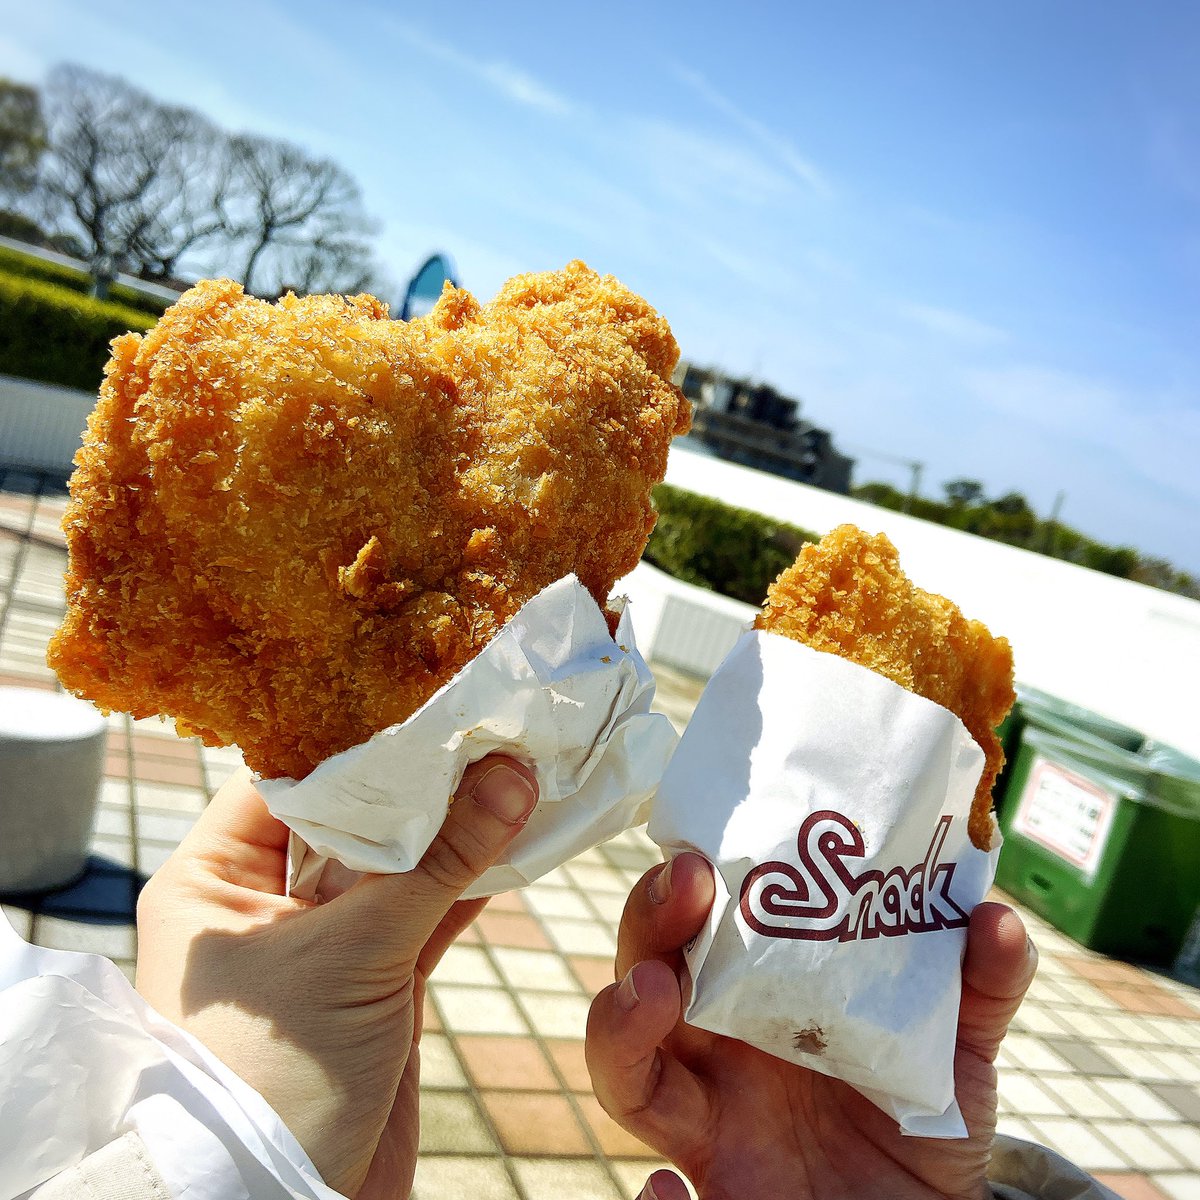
column 85, row 1061
column 122, row 1170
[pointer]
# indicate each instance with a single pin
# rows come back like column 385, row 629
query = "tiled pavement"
column 1103, row 1062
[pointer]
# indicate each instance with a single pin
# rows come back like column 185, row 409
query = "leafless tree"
column 300, row 219
column 143, row 186
column 333, row 264
column 191, row 197
column 134, row 180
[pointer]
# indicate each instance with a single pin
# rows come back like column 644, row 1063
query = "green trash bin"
column 1033, row 704
column 1102, row 842
column 1050, row 712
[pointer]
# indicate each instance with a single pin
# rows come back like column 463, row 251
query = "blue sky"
column 962, row 233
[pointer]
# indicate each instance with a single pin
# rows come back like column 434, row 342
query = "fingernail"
column 507, row 794
column 627, row 996
column 648, row 1192
column 660, row 885
column 1031, row 954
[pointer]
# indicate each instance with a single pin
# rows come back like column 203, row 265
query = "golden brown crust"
column 847, row 595
column 290, row 524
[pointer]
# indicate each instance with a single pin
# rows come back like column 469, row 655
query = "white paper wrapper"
column 554, row 689
column 834, row 806
column 84, row 1060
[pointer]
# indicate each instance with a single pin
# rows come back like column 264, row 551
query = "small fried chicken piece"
column 291, row 523
column 847, row 595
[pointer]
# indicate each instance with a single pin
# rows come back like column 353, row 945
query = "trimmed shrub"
column 729, row 550
column 28, row 266
column 57, row 335
column 1009, row 519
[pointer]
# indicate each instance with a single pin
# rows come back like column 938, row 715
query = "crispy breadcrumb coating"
column 847, row 595
column 291, row 523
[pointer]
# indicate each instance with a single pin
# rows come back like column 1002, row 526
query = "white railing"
column 154, row 291
column 681, row 625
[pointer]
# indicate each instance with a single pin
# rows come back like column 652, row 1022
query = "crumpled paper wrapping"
column 84, row 1059
column 553, row 689
column 833, row 805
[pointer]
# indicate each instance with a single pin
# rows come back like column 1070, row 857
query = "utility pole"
column 915, row 466
column 1051, row 526
column 915, row 489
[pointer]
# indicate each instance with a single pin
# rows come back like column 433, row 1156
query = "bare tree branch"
column 302, row 219
column 143, row 186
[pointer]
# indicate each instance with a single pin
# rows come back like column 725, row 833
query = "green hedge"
column 725, row 549
column 29, row 266
column 1010, row 519
column 57, row 335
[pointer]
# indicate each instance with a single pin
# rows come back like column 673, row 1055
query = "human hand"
column 318, row 1006
column 739, row 1122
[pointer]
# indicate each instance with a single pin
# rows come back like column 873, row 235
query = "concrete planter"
column 51, row 767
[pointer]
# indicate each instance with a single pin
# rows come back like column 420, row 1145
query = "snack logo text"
column 824, row 900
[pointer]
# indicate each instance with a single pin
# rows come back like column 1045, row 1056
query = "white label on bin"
column 1066, row 813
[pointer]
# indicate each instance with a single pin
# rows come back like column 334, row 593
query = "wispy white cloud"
column 828, row 285
column 1152, row 435
column 1125, row 460
column 736, row 261
column 522, row 87
column 957, row 326
column 1057, row 400
column 508, row 80
column 767, row 139
column 163, row 62
column 690, row 165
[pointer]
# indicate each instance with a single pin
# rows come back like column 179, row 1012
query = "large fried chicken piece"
column 291, row 523
column 847, row 595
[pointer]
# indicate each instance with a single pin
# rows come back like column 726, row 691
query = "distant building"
column 753, row 424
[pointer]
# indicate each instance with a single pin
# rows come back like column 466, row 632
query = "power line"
column 915, row 466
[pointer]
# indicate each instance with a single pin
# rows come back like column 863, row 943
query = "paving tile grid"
column 1103, row 1061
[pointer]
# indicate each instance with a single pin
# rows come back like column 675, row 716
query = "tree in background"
column 1010, row 518
column 1012, row 504
column 885, row 495
column 963, row 492
column 22, row 140
column 299, row 220
column 22, row 137
column 191, row 190
column 1157, row 572
column 122, row 174
column 141, row 186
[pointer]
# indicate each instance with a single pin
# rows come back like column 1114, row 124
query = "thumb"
column 492, row 804
column 997, row 970
column 664, row 1185
column 488, row 810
